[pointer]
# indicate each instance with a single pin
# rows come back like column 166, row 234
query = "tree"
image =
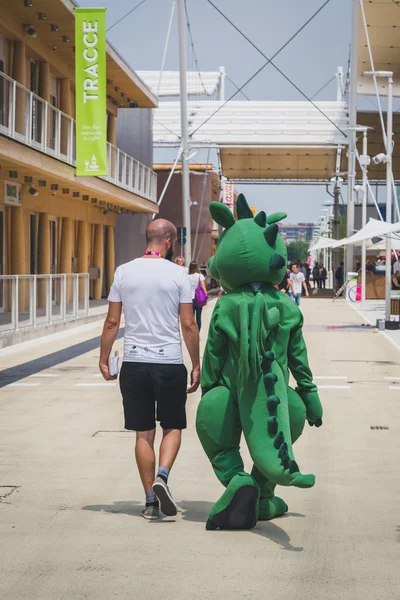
column 297, row 251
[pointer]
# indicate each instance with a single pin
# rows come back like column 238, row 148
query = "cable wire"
column 323, row 87
column 270, row 61
column 167, row 128
column 201, row 202
column 371, row 60
column 196, row 62
column 127, row 15
column 166, row 47
column 234, row 84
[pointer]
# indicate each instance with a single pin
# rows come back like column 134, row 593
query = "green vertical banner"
column 90, row 86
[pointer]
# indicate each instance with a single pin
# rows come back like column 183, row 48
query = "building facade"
column 204, row 188
column 299, row 231
column 52, row 222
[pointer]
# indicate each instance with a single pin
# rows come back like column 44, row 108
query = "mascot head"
column 249, row 250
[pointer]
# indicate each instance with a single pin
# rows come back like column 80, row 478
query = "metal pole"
column 184, row 132
column 335, row 225
column 339, row 84
column 352, row 134
column 222, row 84
column 389, row 150
column 364, row 219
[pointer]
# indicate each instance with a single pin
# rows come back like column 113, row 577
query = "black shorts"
column 145, row 385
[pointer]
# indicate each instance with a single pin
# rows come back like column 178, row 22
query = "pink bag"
column 200, row 297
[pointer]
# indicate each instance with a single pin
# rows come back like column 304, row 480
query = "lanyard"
column 151, row 253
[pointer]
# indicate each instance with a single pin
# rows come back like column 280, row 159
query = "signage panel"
column 90, row 85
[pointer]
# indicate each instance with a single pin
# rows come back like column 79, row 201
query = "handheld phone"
column 113, row 364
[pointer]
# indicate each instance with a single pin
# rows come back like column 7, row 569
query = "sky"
column 310, row 60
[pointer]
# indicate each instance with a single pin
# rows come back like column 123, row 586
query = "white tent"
column 381, row 246
column 322, row 243
column 374, row 228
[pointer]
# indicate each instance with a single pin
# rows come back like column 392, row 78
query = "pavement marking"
column 392, row 378
column 394, row 387
column 107, row 384
column 335, row 387
column 23, row 384
column 330, row 377
column 383, row 333
column 46, row 375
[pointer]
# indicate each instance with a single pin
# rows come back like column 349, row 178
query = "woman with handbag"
column 199, row 291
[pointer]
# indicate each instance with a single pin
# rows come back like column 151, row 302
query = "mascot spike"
column 276, row 217
column 277, row 262
column 222, row 215
column 271, row 233
column 261, row 219
column 242, row 208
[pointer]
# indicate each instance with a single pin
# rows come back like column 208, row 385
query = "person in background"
column 204, row 270
column 297, row 284
column 396, row 280
column 315, row 274
column 302, row 269
column 285, row 283
column 156, row 297
column 396, row 265
column 221, row 292
column 339, row 276
column 323, row 274
column 180, row 261
column 196, row 278
column 308, row 275
column 370, row 266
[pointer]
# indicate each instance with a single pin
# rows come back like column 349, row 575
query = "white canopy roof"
column 381, row 246
column 374, row 228
column 261, row 140
column 198, row 84
column 322, row 243
column 254, row 123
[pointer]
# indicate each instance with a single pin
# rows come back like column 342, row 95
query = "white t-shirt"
column 151, row 290
column 194, row 280
column 297, row 279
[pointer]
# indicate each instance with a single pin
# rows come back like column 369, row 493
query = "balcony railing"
column 28, row 301
column 29, row 119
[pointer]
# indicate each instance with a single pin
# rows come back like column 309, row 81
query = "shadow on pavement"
column 197, row 512
column 26, row 369
column 131, row 508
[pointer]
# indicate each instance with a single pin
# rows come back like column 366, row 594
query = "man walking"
column 298, row 283
column 339, row 276
column 155, row 295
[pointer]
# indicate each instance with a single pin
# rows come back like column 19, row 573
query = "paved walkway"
column 70, row 501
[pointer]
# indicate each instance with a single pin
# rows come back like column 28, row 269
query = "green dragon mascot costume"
column 255, row 339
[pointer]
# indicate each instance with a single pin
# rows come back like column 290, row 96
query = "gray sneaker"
column 151, row 513
column 167, row 504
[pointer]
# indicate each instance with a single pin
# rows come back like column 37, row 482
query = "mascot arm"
column 299, row 367
column 216, row 353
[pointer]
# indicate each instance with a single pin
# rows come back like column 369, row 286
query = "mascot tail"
column 265, row 420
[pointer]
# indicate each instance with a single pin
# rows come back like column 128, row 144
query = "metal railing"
column 28, row 301
column 29, row 119
column 128, row 173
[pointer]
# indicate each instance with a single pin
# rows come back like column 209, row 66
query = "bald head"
column 159, row 231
